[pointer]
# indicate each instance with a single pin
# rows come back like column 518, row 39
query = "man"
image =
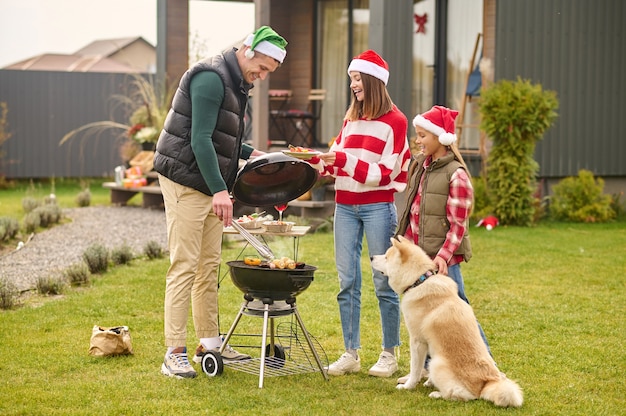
column 197, row 158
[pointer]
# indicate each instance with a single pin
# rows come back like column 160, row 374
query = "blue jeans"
column 378, row 222
column 454, row 272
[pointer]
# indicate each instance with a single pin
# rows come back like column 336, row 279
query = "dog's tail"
column 503, row 392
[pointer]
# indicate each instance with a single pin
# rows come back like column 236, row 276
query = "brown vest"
column 433, row 223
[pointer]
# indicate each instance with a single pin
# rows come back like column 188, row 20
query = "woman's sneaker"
column 177, row 365
column 385, row 367
column 346, row 364
column 229, row 354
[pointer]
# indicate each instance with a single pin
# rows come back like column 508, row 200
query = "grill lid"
column 273, row 179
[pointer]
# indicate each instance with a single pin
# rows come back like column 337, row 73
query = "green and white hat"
column 268, row 42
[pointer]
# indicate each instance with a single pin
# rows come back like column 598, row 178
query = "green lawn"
column 551, row 300
column 65, row 190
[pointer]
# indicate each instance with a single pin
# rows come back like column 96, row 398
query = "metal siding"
column 576, row 48
column 44, row 106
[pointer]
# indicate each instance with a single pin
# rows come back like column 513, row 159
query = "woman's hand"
column 328, row 158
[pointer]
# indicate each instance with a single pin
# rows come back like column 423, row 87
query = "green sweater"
column 207, row 94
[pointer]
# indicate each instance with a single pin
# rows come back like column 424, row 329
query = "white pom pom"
column 249, row 54
column 447, row 139
column 489, row 227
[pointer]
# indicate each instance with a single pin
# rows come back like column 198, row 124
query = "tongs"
column 263, row 250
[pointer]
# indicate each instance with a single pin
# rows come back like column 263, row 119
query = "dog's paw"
column 428, row 383
column 407, row 385
column 435, row 395
column 403, row 379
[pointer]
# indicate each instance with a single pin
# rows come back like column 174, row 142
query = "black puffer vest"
column 433, row 223
column 174, row 158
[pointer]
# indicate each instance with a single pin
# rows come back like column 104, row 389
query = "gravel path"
column 50, row 252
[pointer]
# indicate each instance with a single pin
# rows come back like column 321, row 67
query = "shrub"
column 514, row 115
column 8, row 228
column 96, row 257
column 616, row 204
column 8, row 293
column 482, row 205
column 50, row 199
column 77, row 274
column 122, row 255
column 83, row 199
column 29, row 204
column 581, row 199
column 153, row 250
column 32, row 220
column 49, row 214
column 50, row 285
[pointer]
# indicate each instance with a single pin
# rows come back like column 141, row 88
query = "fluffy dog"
column 443, row 326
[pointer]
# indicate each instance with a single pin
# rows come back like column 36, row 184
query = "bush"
column 96, row 257
column 8, row 293
column 48, row 285
column 8, row 228
column 153, row 250
column 122, row 255
column 29, row 204
column 514, row 115
column 32, row 220
column 77, row 274
column 83, row 199
column 581, row 199
column 49, row 214
column 482, row 205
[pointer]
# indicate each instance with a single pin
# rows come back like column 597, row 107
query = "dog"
column 442, row 325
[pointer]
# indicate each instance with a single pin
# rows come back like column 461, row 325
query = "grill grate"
column 290, row 343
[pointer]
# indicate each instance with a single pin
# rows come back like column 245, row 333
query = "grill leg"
column 233, row 326
column 311, row 346
column 266, row 312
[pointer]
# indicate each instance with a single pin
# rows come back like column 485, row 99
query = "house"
column 122, row 55
column 569, row 46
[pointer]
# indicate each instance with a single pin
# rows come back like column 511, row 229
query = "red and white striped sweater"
column 372, row 159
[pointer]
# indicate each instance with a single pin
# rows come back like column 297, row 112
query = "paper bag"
column 110, row 341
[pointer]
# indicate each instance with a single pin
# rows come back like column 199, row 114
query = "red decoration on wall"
column 421, row 22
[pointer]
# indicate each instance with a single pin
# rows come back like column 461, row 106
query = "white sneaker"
column 385, row 367
column 177, row 365
column 346, row 364
column 229, row 354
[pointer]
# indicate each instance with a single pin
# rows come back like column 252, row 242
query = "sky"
column 33, row 27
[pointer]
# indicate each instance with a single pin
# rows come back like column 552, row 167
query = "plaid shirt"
column 458, row 209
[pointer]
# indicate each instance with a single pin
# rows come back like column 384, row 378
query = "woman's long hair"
column 376, row 101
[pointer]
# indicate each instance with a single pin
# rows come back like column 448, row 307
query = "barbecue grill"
column 271, row 293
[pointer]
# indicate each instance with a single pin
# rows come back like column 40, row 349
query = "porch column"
column 391, row 35
column 172, row 39
column 260, row 100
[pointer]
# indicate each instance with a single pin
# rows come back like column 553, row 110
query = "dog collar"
column 420, row 280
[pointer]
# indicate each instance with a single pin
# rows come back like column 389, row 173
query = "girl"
column 439, row 197
column 369, row 160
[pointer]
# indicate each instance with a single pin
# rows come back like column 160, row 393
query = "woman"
column 440, row 197
column 369, row 160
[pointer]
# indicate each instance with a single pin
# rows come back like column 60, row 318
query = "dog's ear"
column 402, row 239
column 394, row 241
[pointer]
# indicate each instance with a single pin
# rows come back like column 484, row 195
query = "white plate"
column 302, row 155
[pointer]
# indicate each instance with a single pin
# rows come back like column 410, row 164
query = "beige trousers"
column 195, row 243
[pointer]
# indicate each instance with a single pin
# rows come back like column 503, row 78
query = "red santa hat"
column 369, row 62
column 440, row 122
